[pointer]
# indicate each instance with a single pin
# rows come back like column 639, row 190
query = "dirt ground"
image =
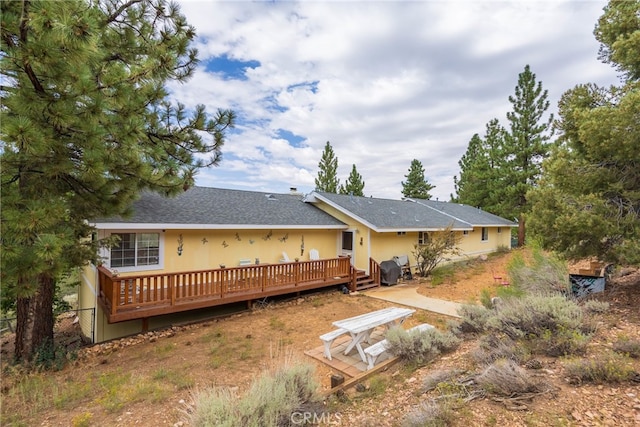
column 148, row 380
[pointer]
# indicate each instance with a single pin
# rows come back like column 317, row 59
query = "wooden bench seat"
column 375, row 350
column 328, row 340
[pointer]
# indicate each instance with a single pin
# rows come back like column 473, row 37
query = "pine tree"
column 416, row 186
column 354, row 184
column 327, row 179
column 525, row 146
column 86, row 125
column 588, row 200
column 479, row 170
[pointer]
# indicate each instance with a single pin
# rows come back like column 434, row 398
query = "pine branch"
column 111, row 18
column 24, row 25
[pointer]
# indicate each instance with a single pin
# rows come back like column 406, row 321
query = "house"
column 182, row 257
column 383, row 228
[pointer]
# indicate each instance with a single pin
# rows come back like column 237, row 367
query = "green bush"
column 419, row 347
column 494, row 346
column 547, row 324
column 544, row 274
column 627, row 347
column 485, row 298
column 52, row 357
column 607, row 368
column 473, row 318
column 270, row 400
column 561, row 342
column 595, row 307
column 512, row 291
column 535, row 315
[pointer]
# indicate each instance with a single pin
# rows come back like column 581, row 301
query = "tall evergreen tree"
column 479, row 170
column 354, row 184
column 416, row 186
column 588, row 201
column 526, row 145
column 327, row 179
column 86, row 125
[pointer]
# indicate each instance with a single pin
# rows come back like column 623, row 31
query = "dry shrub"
column 543, row 274
column 534, row 315
column 431, row 413
column 607, row 368
column 627, row 347
column 595, row 307
column 419, row 347
column 504, row 377
column 561, row 342
column 270, row 401
column 548, row 324
column 432, row 380
column 473, row 318
column 492, row 347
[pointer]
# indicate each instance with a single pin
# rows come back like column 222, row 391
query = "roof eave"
column 176, row 226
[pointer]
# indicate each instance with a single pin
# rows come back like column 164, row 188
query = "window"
column 136, row 249
column 401, row 233
column 485, row 234
column 347, row 240
column 499, row 230
column 423, row 237
column 465, row 232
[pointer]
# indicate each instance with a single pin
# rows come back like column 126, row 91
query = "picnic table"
column 361, row 327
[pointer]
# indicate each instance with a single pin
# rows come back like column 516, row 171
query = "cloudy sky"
column 384, row 82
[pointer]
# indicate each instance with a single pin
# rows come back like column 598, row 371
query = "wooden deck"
column 143, row 296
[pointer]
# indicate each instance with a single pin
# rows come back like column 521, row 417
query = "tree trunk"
column 521, row 231
column 34, row 327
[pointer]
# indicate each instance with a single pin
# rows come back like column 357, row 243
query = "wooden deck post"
column 172, row 287
column 113, row 295
column 353, row 285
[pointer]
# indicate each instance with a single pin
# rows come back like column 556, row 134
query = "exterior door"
column 347, row 245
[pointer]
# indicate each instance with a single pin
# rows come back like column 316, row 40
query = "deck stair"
column 364, row 281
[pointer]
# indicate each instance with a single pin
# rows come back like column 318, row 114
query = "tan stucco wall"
column 362, row 237
column 473, row 245
column 229, row 247
column 384, row 246
column 87, row 298
column 208, row 249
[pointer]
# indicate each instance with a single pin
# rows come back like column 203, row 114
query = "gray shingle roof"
column 391, row 215
column 222, row 207
column 473, row 216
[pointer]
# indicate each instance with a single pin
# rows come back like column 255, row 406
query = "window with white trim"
column 136, row 249
column 485, row 234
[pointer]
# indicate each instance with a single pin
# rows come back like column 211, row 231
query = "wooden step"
column 366, row 286
column 365, row 282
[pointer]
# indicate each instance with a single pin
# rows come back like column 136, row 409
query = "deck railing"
column 170, row 292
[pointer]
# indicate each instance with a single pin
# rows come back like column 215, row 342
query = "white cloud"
column 384, row 82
